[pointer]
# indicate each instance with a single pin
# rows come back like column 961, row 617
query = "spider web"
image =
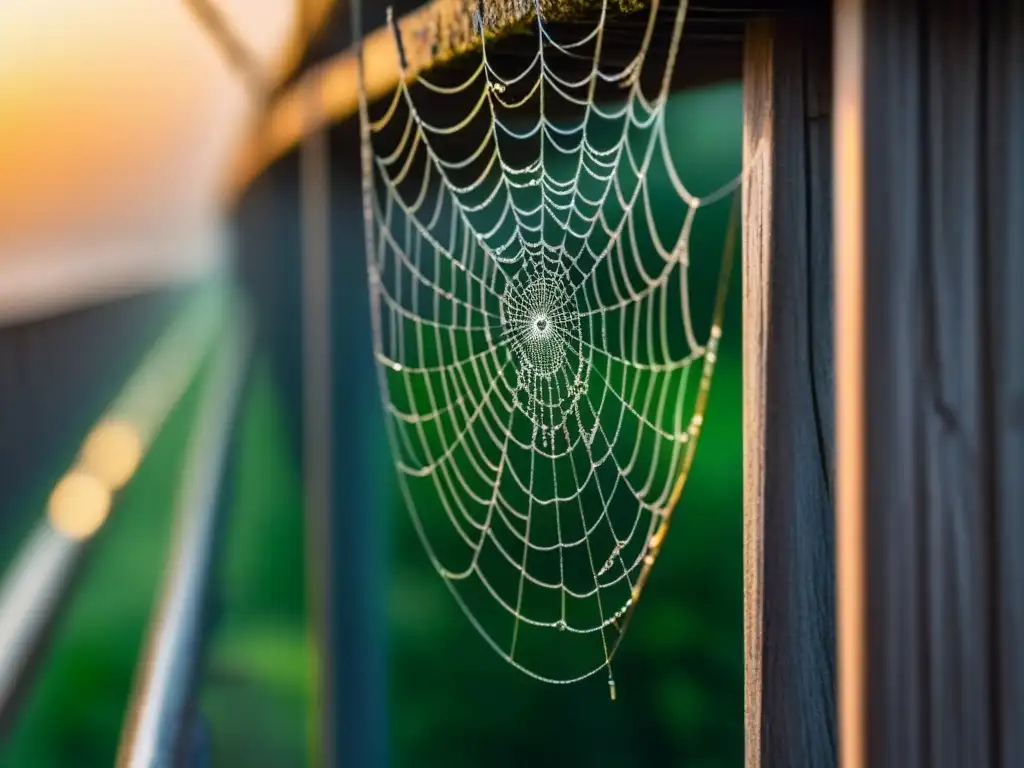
column 543, row 378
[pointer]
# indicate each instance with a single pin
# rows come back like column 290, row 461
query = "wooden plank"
column 925, row 584
column 757, row 134
column 942, row 596
column 788, row 518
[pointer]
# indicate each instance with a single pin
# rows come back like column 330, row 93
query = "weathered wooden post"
column 788, row 383
column 930, row 349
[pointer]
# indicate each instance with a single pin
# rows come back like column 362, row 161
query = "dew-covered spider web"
column 543, row 373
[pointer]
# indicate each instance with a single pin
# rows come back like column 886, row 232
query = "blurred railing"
column 40, row 579
column 156, row 728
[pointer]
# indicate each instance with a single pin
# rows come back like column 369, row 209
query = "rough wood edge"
column 757, row 213
column 433, row 34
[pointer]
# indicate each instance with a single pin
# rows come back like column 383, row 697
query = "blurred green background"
column 452, row 702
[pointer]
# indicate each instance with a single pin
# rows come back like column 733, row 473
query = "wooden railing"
column 155, row 729
column 40, row 580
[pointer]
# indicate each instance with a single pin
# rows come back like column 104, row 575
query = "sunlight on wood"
column 849, row 346
column 112, row 452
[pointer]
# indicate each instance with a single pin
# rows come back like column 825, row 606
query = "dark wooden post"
column 788, row 383
column 930, row 200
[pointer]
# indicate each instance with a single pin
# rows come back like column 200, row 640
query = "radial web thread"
column 543, row 379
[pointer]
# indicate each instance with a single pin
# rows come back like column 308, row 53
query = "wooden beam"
column 443, row 30
column 432, row 35
column 938, row 113
column 788, row 380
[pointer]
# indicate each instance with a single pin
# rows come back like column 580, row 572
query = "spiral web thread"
column 533, row 332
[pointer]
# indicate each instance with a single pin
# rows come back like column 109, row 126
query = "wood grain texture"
column 757, row 207
column 940, row 255
column 788, row 374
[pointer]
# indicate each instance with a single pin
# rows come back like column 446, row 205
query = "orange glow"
column 316, row 12
column 848, row 173
column 119, row 114
column 112, row 453
column 326, row 94
column 78, row 505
